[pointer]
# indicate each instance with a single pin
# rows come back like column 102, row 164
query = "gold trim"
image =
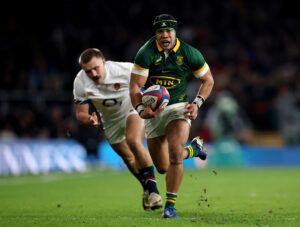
column 177, row 45
column 175, row 48
column 199, row 71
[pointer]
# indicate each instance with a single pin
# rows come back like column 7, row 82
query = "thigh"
column 155, row 126
column 158, row 148
column 115, row 131
column 177, row 134
column 135, row 128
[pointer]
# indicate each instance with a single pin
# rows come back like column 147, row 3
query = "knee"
column 133, row 143
column 161, row 170
column 176, row 160
column 162, row 167
column 175, row 154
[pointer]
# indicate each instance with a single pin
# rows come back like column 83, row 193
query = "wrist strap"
column 199, row 100
column 140, row 108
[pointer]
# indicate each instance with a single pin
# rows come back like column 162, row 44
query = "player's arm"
column 82, row 105
column 83, row 116
column 205, row 88
column 136, row 83
column 207, row 83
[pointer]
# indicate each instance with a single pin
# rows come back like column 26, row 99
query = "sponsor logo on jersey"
column 179, row 60
column 166, row 81
column 111, row 102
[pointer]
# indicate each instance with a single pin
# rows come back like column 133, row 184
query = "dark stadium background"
column 252, row 47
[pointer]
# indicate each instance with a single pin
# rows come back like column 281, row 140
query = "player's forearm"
column 135, row 90
column 207, row 86
column 136, row 97
column 83, row 118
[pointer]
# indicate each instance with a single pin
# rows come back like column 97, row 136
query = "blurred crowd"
column 252, row 48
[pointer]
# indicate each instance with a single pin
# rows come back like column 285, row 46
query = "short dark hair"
column 164, row 21
column 88, row 54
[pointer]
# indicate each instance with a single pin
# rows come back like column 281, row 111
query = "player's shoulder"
column 190, row 52
column 80, row 77
column 148, row 47
column 117, row 66
column 81, row 81
column 146, row 54
column 118, row 71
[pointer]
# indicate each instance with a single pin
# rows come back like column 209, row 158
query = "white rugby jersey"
column 111, row 98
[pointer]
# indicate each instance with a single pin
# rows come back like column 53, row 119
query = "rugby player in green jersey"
column 167, row 60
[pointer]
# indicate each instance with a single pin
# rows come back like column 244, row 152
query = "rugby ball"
column 156, row 97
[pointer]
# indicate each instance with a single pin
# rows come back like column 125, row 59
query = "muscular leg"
column 177, row 133
column 135, row 138
column 158, row 148
column 123, row 150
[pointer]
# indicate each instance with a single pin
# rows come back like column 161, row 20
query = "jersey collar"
column 175, row 48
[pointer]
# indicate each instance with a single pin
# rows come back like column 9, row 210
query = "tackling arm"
column 83, row 116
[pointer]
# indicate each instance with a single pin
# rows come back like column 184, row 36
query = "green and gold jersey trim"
column 136, row 69
column 200, row 72
column 175, row 48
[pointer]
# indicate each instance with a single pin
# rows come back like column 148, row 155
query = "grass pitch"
column 219, row 197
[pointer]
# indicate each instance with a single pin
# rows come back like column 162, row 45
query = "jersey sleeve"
column 142, row 62
column 197, row 63
column 78, row 92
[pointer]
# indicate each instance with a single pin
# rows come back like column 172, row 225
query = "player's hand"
column 93, row 120
column 191, row 111
column 149, row 113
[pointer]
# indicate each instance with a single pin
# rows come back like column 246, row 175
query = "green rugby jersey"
column 171, row 71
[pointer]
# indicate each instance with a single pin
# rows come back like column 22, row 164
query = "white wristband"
column 199, row 100
column 140, row 108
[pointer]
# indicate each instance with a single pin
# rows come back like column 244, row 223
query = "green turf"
column 220, row 197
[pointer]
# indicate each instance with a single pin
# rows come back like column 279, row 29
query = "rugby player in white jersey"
column 105, row 85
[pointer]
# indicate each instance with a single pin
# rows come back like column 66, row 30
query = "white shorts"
column 155, row 127
column 115, row 131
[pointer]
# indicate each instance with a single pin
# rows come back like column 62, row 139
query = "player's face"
column 166, row 38
column 95, row 69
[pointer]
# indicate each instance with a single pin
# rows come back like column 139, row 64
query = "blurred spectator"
column 7, row 132
column 226, row 120
column 288, row 109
